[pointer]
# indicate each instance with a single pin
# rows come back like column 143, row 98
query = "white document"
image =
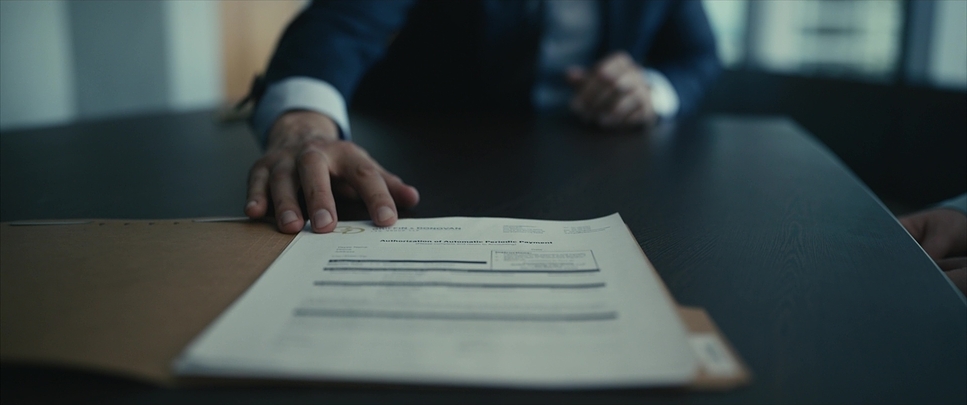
column 466, row 301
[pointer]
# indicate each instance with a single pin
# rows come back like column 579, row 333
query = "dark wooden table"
column 810, row 277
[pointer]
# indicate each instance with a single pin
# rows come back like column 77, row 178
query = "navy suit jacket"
column 477, row 54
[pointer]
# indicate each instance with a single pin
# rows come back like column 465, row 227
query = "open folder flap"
column 720, row 367
column 125, row 297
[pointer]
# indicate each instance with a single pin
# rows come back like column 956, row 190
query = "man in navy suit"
column 613, row 63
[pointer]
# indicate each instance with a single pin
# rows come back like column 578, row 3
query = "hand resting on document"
column 304, row 152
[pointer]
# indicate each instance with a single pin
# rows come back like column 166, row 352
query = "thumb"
column 575, row 75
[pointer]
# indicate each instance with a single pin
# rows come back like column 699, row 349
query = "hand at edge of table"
column 942, row 233
column 304, row 152
column 613, row 94
column 956, row 270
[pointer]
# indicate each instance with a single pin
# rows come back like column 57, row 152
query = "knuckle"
column 277, row 177
column 312, row 156
column 262, row 161
column 318, row 195
column 378, row 196
column 366, row 170
column 272, row 156
column 348, row 148
column 280, row 173
column 257, row 172
column 315, row 144
column 255, row 193
column 283, row 202
column 262, row 164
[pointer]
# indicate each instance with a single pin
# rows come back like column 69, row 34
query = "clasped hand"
column 613, row 94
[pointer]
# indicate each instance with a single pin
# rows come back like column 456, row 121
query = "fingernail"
column 384, row 214
column 251, row 204
column 321, row 219
column 288, row 217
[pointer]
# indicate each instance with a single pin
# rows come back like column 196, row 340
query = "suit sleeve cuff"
column 664, row 98
column 300, row 93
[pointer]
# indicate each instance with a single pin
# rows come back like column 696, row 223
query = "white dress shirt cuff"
column 664, row 98
column 300, row 93
column 958, row 203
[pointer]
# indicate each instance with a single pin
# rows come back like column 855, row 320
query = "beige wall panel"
column 250, row 31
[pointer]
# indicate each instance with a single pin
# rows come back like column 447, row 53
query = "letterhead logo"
column 347, row 230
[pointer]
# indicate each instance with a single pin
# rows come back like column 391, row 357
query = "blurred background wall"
column 62, row 61
column 883, row 83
